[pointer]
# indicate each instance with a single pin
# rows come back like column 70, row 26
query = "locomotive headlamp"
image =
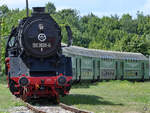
column 23, row 81
column 41, row 27
column 62, row 81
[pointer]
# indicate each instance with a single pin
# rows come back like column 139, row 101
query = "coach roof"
column 74, row 50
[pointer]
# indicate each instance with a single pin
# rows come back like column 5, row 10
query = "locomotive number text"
column 41, row 45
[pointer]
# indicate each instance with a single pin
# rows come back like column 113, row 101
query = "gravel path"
column 20, row 109
column 47, row 109
column 53, row 109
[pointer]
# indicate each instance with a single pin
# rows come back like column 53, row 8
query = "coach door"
column 97, row 70
column 122, row 69
column 78, row 67
column 143, row 71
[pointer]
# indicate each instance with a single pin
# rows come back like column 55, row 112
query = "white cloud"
column 61, row 4
column 22, row 3
column 62, row 7
column 98, row 7
column 12, row 2
column 101, row 14
column 146, row 7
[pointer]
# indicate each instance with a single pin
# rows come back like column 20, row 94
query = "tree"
column 108, row 33
column 4, row 9
column 50, row 8
column 127, row 24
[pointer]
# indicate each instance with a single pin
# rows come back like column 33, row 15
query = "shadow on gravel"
column 42, row 102
column 75, row 99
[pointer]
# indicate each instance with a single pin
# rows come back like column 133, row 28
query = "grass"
column 6, row 99
column 102, row 97
column 111, row 97
column 3, row 79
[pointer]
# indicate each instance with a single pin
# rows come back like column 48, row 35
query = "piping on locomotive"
column 35, row 66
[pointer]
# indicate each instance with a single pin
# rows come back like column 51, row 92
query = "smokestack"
column 38, row 9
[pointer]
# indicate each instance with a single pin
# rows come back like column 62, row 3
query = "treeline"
column 107, row 33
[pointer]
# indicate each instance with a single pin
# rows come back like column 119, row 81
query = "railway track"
column 61, row 108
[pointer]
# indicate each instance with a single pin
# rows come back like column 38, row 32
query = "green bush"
column 3, row 42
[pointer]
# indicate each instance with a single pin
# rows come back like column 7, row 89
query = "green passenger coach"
column 91, row 64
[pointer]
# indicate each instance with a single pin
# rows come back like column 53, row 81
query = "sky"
column 97, row 7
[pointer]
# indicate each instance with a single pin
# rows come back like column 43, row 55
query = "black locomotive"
column 34, row 62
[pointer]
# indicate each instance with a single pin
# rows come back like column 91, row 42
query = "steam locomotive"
column 35, row 65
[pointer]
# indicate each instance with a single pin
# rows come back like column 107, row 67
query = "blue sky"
column 98, row 7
